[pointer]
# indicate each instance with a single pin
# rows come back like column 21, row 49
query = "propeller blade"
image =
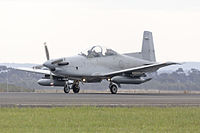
column 48, row 58
column 46, row 51
column 51, row 80
column 51, row 77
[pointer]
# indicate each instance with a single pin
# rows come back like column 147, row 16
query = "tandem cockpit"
column 98, row 51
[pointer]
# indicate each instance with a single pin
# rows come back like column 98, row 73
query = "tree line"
column 14, row 80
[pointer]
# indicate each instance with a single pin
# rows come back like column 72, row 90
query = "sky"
column 70, row 26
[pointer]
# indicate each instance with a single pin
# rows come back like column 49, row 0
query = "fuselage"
column 81, row 66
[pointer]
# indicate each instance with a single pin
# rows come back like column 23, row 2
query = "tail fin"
column 148, row 52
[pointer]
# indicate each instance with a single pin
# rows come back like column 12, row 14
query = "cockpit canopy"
column 98, row 51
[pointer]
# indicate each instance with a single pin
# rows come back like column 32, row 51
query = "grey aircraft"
column 97, row 64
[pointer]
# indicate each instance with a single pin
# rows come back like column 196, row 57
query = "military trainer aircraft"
column 99, row 64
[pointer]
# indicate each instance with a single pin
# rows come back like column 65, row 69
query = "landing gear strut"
column 113, row 88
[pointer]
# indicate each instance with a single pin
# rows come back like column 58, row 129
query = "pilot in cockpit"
column 93, row 53
column 98, row 51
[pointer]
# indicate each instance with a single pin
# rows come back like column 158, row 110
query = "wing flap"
column 141, row 69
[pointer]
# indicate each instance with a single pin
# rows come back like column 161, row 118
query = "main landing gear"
column 113, row 88
column 75, row 87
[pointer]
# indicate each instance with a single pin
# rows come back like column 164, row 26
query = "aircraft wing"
column 141, row 69
column 38, row 71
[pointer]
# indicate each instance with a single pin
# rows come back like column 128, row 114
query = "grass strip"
column 100, row 119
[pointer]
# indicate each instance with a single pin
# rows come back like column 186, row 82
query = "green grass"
column 97, row 119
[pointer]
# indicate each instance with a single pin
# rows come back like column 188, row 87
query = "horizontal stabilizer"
column 147, row 52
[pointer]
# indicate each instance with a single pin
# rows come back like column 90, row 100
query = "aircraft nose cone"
column 49, row 65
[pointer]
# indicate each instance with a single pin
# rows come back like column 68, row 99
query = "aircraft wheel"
column 66, row 89
column 113, row 88
column 76, row 88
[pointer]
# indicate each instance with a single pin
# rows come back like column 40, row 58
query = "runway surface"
column 122, row 100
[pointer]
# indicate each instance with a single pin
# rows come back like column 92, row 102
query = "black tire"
column 66, row 89
column 113, row 88
column 76, row 88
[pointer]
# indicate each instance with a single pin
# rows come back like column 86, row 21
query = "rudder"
column 148, row 52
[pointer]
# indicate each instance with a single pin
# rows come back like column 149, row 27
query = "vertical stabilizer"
column 148, row 52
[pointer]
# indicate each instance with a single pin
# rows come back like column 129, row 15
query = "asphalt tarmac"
column 96, row 99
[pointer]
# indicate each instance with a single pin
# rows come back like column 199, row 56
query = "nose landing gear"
column 75, row 87
column 66, row 88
